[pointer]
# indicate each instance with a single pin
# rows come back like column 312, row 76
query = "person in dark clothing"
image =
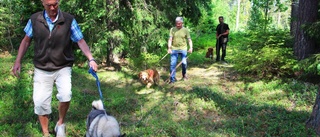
column 222, row 39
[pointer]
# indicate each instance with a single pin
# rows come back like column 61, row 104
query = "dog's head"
column 143, row 75
column 97, row 104
column 210, row 49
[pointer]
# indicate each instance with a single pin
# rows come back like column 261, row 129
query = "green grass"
column 214, row 102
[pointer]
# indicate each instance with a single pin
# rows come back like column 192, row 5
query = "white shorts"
column 43, row 86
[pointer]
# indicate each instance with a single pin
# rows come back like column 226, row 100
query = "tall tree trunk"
column 313, row 121
column 111, row 25
column 304, row 46
column 238, row 15
column 294, row 17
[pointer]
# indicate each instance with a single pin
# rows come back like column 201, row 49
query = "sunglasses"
column 54, row 5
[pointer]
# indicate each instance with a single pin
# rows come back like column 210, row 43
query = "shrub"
column 310, row 65
column 204, row 41
column 263, row 54
column 146, row 60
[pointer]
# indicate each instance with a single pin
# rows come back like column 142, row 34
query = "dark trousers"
column 221, row 45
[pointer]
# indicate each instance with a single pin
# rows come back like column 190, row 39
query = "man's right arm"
column 217, row 35
column 25, row 43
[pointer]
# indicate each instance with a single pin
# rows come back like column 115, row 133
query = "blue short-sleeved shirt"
column 76, row 33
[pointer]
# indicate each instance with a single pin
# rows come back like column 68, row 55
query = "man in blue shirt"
column 53, row 32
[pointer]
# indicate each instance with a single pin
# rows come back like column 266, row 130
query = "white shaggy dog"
column 100, row 124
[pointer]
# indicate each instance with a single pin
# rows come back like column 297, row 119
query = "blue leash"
column 94, row 74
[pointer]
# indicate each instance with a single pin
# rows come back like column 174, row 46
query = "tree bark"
column 304, row 46
column 294, row 17
column 111, row 25
column 313, row 122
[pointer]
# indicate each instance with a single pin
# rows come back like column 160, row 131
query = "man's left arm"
column 77, row 36
column 225, row 33
column 190, row 45
column 86, row 51
column 189, row 41
column 227, row 30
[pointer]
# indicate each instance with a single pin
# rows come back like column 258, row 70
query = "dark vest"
column 52, row 51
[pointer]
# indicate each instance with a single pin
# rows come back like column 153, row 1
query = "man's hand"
column 16, row 69
column 218, row 36
column 93, row 64
column 190, row 50
column 169, row 51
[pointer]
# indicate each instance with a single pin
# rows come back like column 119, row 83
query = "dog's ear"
column 139, row 75
column 123, row 135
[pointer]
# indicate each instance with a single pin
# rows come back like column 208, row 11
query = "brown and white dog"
column 209, row 53
column 149, row 77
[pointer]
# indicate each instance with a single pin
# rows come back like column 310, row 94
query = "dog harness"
column 150, row 72
column 93, row 114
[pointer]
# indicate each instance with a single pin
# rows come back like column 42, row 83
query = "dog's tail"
column 97, row 104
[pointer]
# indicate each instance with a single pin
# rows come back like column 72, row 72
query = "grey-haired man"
column 52, row 31
column 179, row 38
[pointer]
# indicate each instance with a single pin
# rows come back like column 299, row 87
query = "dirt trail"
column 213, row 74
